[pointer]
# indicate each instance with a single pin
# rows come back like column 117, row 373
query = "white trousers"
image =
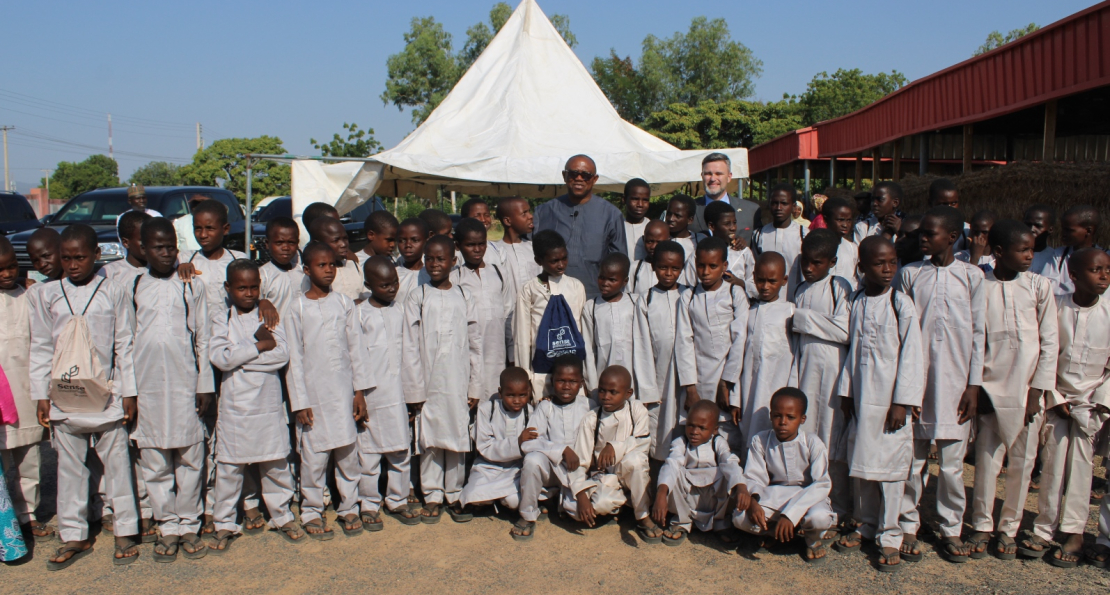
column 537, row 476
column 442, row 475
column 21, row 470
column 314, row 472
column 1104, row 522
column 816, row 521
column 880, row 504
column 110, row 442
column 989, row 454
column 841, row 495
column 397, row 490
column 174, row 477
column 209, row 468
column 276, row 482
column 951, row 499
column 138, row 485
column 607, row 496
column 1065, row 497
column 704, row 506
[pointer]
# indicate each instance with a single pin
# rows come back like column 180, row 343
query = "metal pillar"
column 922, row 154
column 805, row 172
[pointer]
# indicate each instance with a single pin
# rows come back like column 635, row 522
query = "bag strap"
column 897, row 318
column 198, row 251
column 636, row 275
column 497, row 270
column 91, row 297
column 135, row 292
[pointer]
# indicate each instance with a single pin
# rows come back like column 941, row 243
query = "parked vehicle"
column 100, row 208
column 16, row 214
column 282, row 206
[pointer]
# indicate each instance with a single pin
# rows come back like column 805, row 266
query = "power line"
column 73, row 110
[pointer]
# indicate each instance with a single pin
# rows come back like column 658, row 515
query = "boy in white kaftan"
column 626, row 430
column 531, row 303
column 485, row 281
column 495, row 475
column 700, row 478
column 768, row 357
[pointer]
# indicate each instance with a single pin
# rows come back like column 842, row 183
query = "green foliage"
column 224, row 160
column 845, row 91
column 421, row 75
column 996, row 40
column 703, row 64
column 717, row 125
column 359, row 143
column 157, row 173
column 71, row 179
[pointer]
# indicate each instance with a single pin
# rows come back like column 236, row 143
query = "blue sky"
column 298, row 70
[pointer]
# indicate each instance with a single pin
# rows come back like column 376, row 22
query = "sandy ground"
column 479, row 557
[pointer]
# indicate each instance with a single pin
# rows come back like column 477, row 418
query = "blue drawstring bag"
column 558, row 335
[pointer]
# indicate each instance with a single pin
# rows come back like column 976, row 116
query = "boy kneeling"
column 787, row 475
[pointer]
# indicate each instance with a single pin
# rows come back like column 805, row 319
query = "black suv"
column 100, row 208
column 16, row 214
column 282, row 206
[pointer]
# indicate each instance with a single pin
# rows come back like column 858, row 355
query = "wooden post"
column 859, row 172
column 922, row 154
column 1049, row 132
column 876, row 163
column 967, row 148
column 896, row 160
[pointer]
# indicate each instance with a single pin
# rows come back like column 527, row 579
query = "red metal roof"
column 1067, row 57
column 792, row 146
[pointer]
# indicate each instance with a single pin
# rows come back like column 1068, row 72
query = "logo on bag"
column 71, row 374
column 559, row 341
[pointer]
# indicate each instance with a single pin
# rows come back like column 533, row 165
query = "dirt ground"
column 479, row 557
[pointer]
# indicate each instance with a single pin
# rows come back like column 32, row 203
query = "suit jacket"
column 747, row 216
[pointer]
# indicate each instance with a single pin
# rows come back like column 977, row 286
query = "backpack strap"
column 198, row 251
column 897, row 318
column 135, row 291
column 497, row 270
column 757, row 237
column 636, row 275
column 650, row 293
column 91, row 297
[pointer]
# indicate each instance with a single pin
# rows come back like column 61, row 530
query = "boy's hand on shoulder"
column 659, row 509
column 570, row 459
column 186, row 271
column 895, row 418
column 586, row 510
column 743, row 497
column 264, row 339
column 28, row 282
column 891, row 224
column 607, row 457
column 784, row 529
column 691, row 397
column 360, row 408
column 42, row 411
column 738, row 243
column 305, row 418
column 526, row 435
column 977, row 247
column 268, row 314
column 968, row 404
column 1033, row 404
column 203, row 400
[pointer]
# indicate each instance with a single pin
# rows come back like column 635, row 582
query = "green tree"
column 359, row 143
column 157, row 173
column 717, row 125
column 996, row 40
column 421, row 75
column 225, row 161
column 702, row 64
column 845, row 91
column 73, row 178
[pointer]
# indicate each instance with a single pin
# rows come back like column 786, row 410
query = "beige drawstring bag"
column 77, row 380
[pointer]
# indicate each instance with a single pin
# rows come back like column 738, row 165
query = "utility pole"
column 110, row 154
column 47, row 178
column 7, row 178
column 200, row 139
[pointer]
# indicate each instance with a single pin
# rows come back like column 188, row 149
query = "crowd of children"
column 796, row 387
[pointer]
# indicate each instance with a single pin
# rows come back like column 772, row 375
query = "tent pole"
column 247, row 228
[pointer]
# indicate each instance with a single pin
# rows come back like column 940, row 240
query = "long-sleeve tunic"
column 787, row 241
column 1021, row 346
column 252, row 426
column 741, row 264
column 1083, row 366
column 662, row 314
column 121, row 271
column 531, row 303
column 277, row 287
column 626, row 429
column 711, row 330
column 617, row 334
column 494, row 297
column 768, row 357
column 790, row 477
column 15, row 336
column 641, row 277
column 952, row 312
column 822, row 314
column 883, row 368
column 326, row 367
column 496, row 471
column 556, row 429
column 172, row 328
column 708, row 467
column 387, row 429
column 441, row 363
column 847, row 260
column 213, row 273
column 109, row 316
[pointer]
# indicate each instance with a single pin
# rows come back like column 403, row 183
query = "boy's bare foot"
column 1005, row 548
column 318, row 530
column 372, row 520
column 127, row 551
column 1033, row 546
column 911, row 549
column 70, row 552
column 522, row 530
column 978, row 542
column 954, row 549
column 816, row 554
column 41, row 532
column 193, row 546
column 1067, row 554
column 429, row 515
column 107, row 523
column 849, row 542
column 223, row 541
column 1097, row 555
column 148, row 531
column 165, row 549
column 649, row 531
column 253, row 521
column 292, row 532
column 889, row 560
column 209, row 526
column 352, row 525
column 674, row 535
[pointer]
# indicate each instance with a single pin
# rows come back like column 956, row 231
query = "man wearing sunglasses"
column 592, row 227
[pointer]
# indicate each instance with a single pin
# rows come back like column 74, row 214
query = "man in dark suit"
column 716, row 173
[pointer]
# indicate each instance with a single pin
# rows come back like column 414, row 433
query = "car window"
column 15, row 208
column 278, row 208
column 234, row 211
column 100, row 209
column 174, row 206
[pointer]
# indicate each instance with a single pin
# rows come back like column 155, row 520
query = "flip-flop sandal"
column 254, row 530
column 675, row 541
column 1001, row 542
column 951, row 552
column 200, row 549
column 348, row 526
column 435, row 513
column 978, row 539
column 827, row 540
column 518, row 534
column 414, row 519
column 226, row 539
column 169, row 543
column 35, row 525
column 150, row 533
column 1029, row 552
column 544, row 513
column 286, row 534
column 642, row 531
column 107, row 524
column 911, row 556
column 1060, row 562
column 815, row 561
column 208, row 528
column 842, row 547
column 80, row 553
column 372, row 521
column 124, row 561
column 1091, row 554
column 326, row 535
column 461, row 515
column 884, row 564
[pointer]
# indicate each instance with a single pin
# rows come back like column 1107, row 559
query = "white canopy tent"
column 506, row 129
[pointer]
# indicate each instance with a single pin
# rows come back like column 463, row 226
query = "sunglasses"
column 571, row 174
